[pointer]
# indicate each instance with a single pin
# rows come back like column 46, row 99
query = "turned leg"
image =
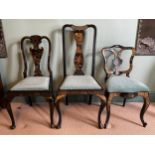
column 58, row 99
column 124, row 102
column 9, row 110
column 144, row 108
column 51, row 106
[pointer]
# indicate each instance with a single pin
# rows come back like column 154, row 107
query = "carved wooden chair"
column 79, row 83
column 36, row 85
column 121, row 85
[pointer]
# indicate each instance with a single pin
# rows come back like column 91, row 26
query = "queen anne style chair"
column 79, row 83
column 37, row 85
column 118, row 84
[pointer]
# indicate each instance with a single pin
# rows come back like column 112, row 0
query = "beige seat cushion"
column 79, row 82
column 32, row 83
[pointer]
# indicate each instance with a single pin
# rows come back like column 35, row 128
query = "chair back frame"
column 116, row 51
column 36, row 53
column 79, row 36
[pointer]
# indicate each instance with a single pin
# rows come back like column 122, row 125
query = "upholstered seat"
column 32, row 83
column 78, row 82
column 125, row 84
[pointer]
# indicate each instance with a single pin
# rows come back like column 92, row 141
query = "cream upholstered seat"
column 78, row 82
column 32, row 83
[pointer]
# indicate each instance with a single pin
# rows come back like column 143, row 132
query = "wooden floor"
column 78, row 118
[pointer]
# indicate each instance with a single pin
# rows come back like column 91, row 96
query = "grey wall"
column 109, row 32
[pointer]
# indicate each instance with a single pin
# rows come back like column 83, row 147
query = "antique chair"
column 118, row 82
column 79, row 83
column 36, row 85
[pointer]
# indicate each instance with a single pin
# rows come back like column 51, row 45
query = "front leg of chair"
column 144, row 108
column 103, row 103
column 108, row 107
column 100, row 125
column 51, row 106
column 107, row 114
column 9, row 110
column 58, row 99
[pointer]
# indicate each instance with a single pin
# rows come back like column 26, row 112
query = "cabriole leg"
column 9, row 110
column 108, row 107
column 51, row 106
column 144, row 108
column 58, row 99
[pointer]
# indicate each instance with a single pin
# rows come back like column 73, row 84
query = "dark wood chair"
column 118, row 82
column 79, row 83
column 36, row 85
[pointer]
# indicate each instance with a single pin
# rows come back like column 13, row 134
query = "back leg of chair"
column 90, row 99
column 124, row 102
column 66, row 100
column 29, row 100
column 9, row 110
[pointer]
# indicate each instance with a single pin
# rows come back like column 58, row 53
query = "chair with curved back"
column 118, row 82
column 79, row 83
column 36, row 85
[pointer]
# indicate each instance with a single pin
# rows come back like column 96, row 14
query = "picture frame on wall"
column 3, row 53
column 145, row 40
